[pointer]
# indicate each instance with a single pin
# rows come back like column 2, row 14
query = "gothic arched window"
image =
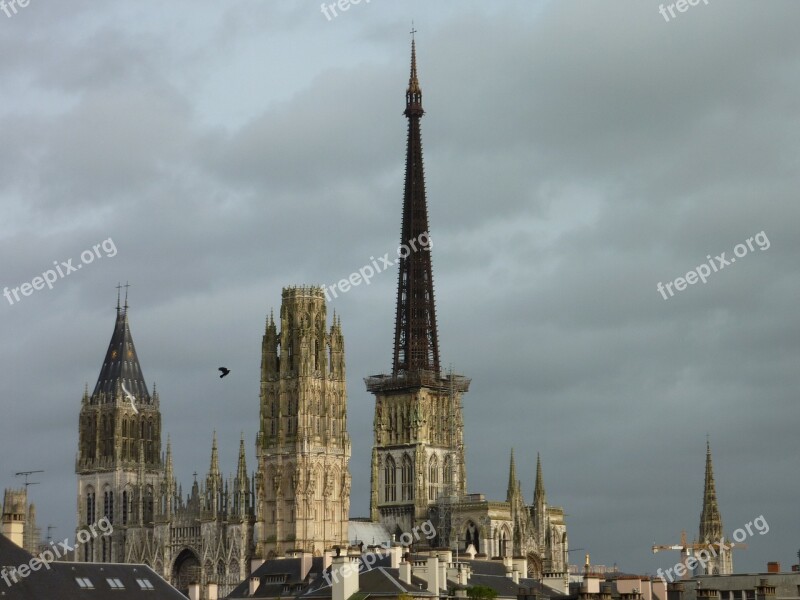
column 90, row 506
column 390, row 480
column 447, row 475
column 407, row 477
column 108, row 504
column 433, row 478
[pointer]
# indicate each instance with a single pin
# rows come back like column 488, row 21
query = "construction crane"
column 687, row 550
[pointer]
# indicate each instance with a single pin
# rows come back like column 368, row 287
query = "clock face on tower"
column 113, row 354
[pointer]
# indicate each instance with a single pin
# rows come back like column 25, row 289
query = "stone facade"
column 418, row 453
column 303, row 481
column 300, row 497
column 123, row 476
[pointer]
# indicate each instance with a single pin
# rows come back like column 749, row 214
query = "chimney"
column 254, row 583
column 305, row 563
column 213, row 591
column 405, row 572
column 255, row 563
column 592, row 583
column 675, row 591
column 508, row 564
column 646, row 588
column 706, row 594
column 773, row 567
column 194, row 591
column 605, row 592
column 521, row 565
column 515, row 576
column 659, row 589
column 432, row 575
column 764, row 591
column 344, row 576
column 463, row 574
column 395, row 555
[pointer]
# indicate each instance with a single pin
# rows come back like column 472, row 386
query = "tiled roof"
column 80, row 581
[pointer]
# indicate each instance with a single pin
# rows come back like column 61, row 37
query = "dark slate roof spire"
column 121, row 365
column 416, row 344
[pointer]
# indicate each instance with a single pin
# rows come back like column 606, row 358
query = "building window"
column 125, row 507
column 90, row 507
column 433, row 478
column 448, row 474
column 115, row 584
column 108, row 505
column 407, row 478
column 84, row 583
column 390, row 480
column 148, row 504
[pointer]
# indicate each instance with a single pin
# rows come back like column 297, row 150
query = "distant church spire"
column 214, row 471
column 416, row 344
column 710, row 519
column 539, row 494
column 512, row 478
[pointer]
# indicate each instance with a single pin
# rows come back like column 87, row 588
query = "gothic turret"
column 119, row 463
column 303, row 448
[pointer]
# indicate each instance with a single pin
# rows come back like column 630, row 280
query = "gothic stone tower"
column 303, row 449
column 119, row 463
column 418, row 454
column 711, row 524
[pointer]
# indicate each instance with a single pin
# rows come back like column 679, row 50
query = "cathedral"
column 299, row 497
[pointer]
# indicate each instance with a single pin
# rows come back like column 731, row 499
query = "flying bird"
column 129, row 396
column 224, row 372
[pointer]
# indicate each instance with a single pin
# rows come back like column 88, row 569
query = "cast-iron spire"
column 416, row 345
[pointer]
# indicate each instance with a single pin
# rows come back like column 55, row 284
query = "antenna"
column 26, row 474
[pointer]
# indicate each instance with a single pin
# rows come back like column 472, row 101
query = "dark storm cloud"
column 576, row 155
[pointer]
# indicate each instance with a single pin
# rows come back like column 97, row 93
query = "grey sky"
column 576, row 153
